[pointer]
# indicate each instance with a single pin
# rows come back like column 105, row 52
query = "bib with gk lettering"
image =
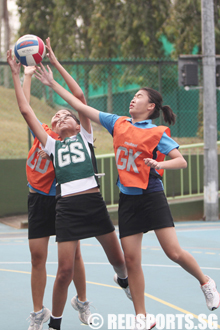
column 131, row 145
column 40, row 172
column 72, row 160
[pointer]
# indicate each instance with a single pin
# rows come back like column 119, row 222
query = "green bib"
column 72, row 160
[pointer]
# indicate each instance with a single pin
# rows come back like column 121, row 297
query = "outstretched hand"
column 29, row 70
column 15, row 67
column 46, row 77
column 50, row 53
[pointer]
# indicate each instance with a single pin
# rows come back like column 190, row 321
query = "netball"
column 30, row 50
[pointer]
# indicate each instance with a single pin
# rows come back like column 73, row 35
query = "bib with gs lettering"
column 72, row 160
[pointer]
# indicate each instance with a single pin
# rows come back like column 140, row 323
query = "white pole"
column 209, row 113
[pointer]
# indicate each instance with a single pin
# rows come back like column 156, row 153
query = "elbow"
column 184, row 163
column 25, row 113
column 22, row 110
column 81, row 97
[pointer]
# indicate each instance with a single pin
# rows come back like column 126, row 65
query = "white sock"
column 82, row 302
column 56, row 317
column 39, row 311
column 121, row 271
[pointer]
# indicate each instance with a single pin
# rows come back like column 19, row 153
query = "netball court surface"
column 171, row 294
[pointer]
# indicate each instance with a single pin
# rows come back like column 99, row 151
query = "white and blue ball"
column 30, row 50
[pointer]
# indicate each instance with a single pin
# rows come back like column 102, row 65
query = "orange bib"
column 40, row 172
column 131, row 145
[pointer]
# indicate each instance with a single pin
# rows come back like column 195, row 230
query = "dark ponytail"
column 156, row 98
column 168, row 115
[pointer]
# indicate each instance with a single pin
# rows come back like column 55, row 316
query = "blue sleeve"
column 32, row 131
column 108, row 120
column 167, row 144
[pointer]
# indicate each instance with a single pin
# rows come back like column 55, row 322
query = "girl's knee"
column 132, row 261
column 38, row 259
column 64, row 275
column 174, row 255
column 78, row 255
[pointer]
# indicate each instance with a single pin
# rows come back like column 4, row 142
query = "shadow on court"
column 171, row 293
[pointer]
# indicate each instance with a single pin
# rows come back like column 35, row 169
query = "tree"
column 69, row 33
column 127, row 29
column 103, row 30
column 183, row 26
column 140, row 24
column 4, row 18
column 183, row 29
column 105, row 43
column 36, row 17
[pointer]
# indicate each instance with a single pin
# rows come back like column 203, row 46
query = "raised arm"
column 46, row 77
column 28, row 73
column 71, row 83
column 23, row 104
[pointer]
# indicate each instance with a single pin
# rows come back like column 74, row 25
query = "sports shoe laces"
column 38, row 321
column 33, row 319
column 30, row 319
column 88, row 308
column 208, row 292
column 85, row 307
column 87, row 311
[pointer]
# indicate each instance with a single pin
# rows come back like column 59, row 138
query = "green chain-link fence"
column 110, row 85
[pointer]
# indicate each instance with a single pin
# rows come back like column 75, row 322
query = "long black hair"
column 156, row 98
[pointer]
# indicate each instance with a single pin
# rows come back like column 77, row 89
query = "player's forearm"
column 71, row 83
column 173, row 164
column 27, row 87
column 27, row 111
column 87, row 111
column 21, row 99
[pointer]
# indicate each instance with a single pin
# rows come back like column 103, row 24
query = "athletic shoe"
column 37, row 320
column 212, row 296
column 126, row 290
column 82, row 308
column 149, row 321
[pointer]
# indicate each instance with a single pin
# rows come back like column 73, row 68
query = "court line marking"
column 212, row 226
column 163, row 302
column 175, row 307
column 195, row 223
column 180, row 229
column 144, row 247
column 99, row 263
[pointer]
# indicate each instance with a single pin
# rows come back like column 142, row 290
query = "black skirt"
column 82, row 216
column 142, row 213
column 41, row 215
